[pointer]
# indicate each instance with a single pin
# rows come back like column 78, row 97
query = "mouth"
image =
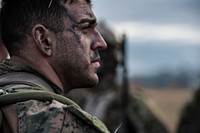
column 96, row 63
column 95, row 59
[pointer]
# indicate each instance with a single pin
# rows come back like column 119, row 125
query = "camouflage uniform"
column 35, row 116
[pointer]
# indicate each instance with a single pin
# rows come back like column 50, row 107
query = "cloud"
column 171, row 20
column 147, row 31
column 154, row 11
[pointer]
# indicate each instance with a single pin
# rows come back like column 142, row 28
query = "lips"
column 95, row 59
column 96, row 63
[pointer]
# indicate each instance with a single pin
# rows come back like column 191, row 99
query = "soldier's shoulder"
column 53, row 116
column 40, row 116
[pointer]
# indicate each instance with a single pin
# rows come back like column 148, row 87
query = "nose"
column 99, row 43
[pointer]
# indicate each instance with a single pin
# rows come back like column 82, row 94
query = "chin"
column 92, row 81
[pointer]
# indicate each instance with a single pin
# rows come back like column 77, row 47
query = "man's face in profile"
column 78, row 46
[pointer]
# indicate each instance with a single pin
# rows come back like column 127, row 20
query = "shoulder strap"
column 25, row 86
column 23, row 78
column 31, row 93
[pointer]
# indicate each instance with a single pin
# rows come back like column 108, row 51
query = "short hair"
column 19, row 16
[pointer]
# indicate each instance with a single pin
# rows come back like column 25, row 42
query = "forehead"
column 79, row 9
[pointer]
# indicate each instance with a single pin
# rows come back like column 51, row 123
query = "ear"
column 42, row 38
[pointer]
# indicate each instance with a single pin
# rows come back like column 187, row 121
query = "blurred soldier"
column 190, row 118
column 120, row 111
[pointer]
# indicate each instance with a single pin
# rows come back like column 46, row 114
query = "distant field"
column 167, row 103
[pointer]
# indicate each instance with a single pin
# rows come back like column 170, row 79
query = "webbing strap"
column 23, row 78
column 32, row 93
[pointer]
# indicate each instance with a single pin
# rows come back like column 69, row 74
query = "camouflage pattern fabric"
column 51, row 117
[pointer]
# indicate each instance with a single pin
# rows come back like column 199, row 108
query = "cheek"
column 74, row 48
column 83, row 44
column 87, row 41
column 76, row 55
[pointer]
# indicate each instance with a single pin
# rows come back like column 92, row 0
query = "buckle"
column 3, row 92
column 7, row 91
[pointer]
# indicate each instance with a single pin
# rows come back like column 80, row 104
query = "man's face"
column 77, row 47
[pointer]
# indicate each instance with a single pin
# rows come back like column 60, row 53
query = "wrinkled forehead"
column 79, row 9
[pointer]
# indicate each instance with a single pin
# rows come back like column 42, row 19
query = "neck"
column 43, row 67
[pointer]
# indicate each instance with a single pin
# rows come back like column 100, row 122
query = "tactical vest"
column 20, row 86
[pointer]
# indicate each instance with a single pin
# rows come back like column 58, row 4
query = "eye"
column 85, row 26
column 82, row 26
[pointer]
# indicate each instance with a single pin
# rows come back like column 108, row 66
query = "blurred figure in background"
column 190, row 119
column 111, row 101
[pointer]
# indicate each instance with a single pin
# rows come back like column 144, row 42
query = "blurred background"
column 162, row 49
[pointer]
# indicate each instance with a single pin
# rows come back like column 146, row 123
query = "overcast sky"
column 156, row 19
column 162, row 34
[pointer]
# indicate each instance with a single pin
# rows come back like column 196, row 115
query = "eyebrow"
column 71, row 1
column 88, row 2
column 90, row 20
